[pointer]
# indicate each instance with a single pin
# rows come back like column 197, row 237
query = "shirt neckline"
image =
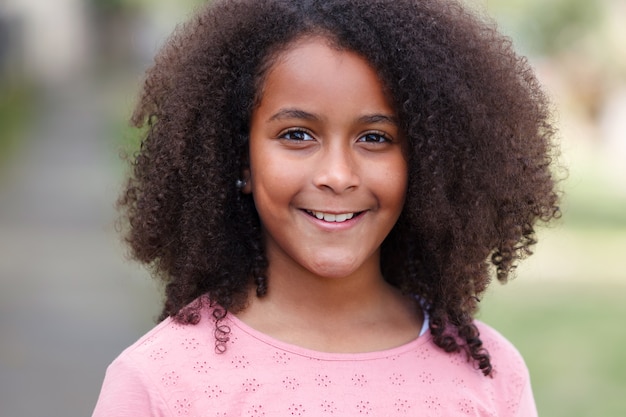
column 422, row 338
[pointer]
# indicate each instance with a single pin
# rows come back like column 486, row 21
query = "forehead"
column 310, row 66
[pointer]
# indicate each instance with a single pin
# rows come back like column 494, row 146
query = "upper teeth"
column 328, row 217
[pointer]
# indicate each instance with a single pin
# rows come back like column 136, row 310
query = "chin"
column 333, row 270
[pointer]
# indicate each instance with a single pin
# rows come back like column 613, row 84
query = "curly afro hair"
column 479, row 130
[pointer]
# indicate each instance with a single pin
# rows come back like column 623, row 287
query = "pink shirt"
column 174, row 371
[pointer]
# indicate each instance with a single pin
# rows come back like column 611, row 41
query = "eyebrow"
column 293, row 113
column 378, row 118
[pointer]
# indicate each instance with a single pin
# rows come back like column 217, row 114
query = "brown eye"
column 374, row 138
column 296, row 135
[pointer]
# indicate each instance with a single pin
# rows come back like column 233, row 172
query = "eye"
column 375, row 137
column 296, row 135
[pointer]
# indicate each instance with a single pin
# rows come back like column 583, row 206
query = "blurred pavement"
column 69, row 301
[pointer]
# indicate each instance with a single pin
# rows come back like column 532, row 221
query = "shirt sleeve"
column 126, row 392
column 527, row 406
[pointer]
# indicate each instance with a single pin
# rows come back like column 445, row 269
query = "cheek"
column 272, row 179
column 273, row 185
column 393, row 182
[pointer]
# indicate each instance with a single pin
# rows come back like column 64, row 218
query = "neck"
column 303, row 292
column 358, row 312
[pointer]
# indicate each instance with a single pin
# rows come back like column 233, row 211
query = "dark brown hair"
column 476, row 119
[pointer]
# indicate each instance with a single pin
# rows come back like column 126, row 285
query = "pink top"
column 174, row 371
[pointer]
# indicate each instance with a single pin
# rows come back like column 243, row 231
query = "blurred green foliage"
column 129, row 139
column 592, row 204
column 546, row 27
column 111, row 4
column 16, row 105
column 572, row 338
column 122, row 5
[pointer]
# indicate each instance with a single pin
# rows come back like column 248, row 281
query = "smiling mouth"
column 332, row 218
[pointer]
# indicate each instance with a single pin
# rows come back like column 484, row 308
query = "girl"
column 326, row 187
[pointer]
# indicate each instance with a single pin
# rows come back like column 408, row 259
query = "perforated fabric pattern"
column 175, row 371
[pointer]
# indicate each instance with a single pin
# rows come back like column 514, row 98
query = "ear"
column 245, row 176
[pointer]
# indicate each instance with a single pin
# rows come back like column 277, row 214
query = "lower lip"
column 332, row 226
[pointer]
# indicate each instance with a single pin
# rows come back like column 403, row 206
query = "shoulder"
column 463, row 388
column 511, row 378
column 154, row 374
column 504, row 355
column 170, row 337
column 506, row 360
column 169, row 347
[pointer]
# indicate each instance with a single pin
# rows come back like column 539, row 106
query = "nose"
column 337, row 170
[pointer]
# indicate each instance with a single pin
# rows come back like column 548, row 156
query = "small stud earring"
column 240, row 184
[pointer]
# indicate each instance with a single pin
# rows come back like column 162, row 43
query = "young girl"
column 326, row 187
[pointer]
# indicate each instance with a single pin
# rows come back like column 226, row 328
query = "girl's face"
column 327, row 170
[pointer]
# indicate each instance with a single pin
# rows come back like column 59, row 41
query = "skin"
column 328, row 176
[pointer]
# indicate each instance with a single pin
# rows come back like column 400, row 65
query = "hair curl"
column 476, row 119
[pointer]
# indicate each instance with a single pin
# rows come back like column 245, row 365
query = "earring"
column 240, row 184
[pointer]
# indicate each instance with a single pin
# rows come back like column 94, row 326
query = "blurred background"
column 70, row 301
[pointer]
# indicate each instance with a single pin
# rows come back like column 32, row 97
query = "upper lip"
column 335, row 212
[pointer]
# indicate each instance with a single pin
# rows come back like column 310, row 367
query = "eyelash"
column 380, row 137
column 293, row 131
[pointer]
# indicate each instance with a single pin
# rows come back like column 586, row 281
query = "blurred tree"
column 111, row 5
column 127, row 32
column 547, row 27
column 561, row 23
column 124, row 4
